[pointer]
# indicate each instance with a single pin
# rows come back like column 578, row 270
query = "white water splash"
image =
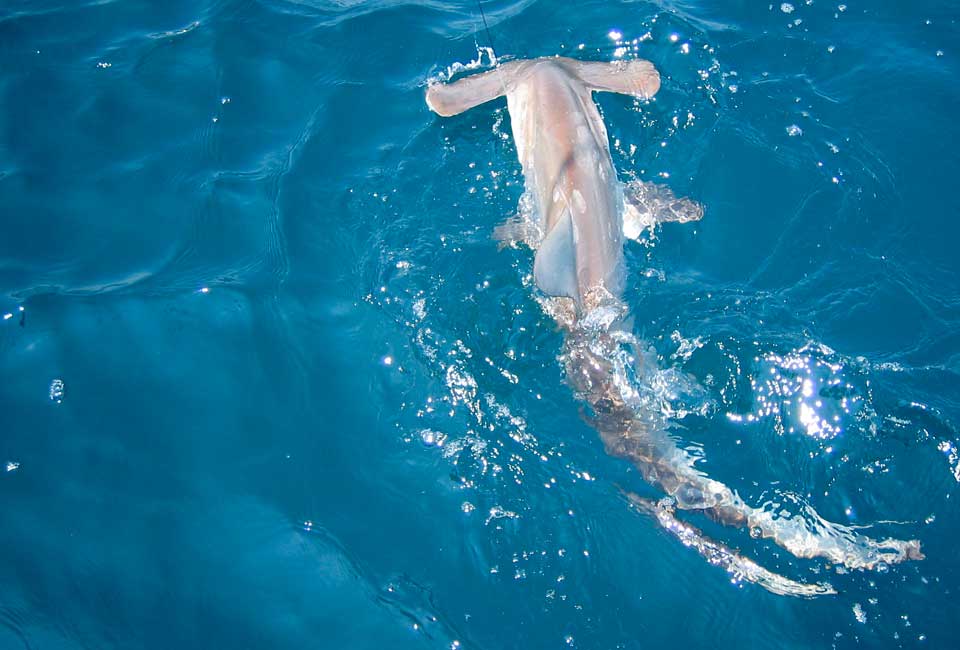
column 458, row 67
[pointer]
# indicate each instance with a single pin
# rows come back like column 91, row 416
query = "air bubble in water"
column 858, row 613
column 432, row 438
column 56, row 390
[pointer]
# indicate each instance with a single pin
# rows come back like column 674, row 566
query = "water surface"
column 267, row 381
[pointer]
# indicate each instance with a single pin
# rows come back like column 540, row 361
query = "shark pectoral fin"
column 462, row 95
column 555, row 266
column 637, row 77
column 648, row 203
column 635, row 221
column 509, row 233
column 521, row 228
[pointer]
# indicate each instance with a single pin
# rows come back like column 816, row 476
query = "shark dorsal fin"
column 555, row 266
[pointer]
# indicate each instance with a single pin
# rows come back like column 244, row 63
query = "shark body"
column 583, row 215
column 562, row 145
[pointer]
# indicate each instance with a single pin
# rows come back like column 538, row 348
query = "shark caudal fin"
column 637, row 77
column 462, row 95
column 741, row 569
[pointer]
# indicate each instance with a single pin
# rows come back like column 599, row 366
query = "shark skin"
column 562, row 145
column 583, row 214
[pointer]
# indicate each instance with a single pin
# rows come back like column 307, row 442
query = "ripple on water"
column 219, row 216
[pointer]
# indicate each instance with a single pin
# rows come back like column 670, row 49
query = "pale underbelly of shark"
column 577, row 219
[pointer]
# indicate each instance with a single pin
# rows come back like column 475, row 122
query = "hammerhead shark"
column 581, row 215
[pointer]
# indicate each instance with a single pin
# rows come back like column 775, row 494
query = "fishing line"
column 493, row 49
column 486, row 28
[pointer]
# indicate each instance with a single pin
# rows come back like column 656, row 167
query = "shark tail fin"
column 636, row 77
column 740, row 568
column 462, row 95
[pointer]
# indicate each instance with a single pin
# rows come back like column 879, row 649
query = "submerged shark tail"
column 597, row 367
column 741, row 569
column 805, row 535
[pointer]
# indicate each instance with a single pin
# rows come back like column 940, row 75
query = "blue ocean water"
column 267, row 382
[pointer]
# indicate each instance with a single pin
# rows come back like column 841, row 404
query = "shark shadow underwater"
column 579, row 219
